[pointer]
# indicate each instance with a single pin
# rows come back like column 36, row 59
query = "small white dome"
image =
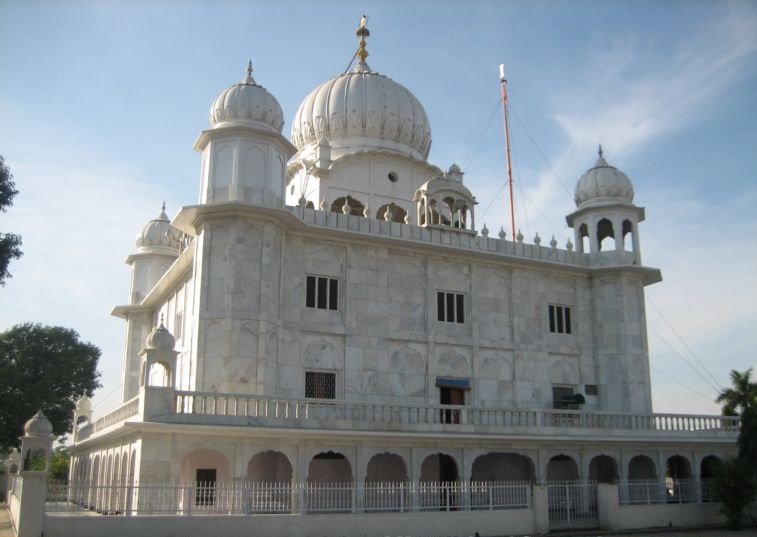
column 366, row 109
column 160, row 339
column 603, row 183
column 38, row 425
column 84, row 404
column 158, row 232
column 246, row 103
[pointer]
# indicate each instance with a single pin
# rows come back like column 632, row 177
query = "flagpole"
column 503, row 84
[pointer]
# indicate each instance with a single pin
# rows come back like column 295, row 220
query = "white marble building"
column 329, row 312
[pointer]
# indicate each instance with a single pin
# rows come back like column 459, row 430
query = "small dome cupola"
column 158, row 234
column 603, row 184
column 246, row 103
column 160, row 339
column 445, row 201
column 38, row 425
column 362, row 110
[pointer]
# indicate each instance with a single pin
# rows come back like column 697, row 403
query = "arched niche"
column 269, row 466
column 562, row 468
column 386, row 468
column 356, row 206
column 603, row 469
column 503, row 467
column 642, row 467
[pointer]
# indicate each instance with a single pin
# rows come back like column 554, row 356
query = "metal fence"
column 286, row 497
column 652, row 491
column 572, row 504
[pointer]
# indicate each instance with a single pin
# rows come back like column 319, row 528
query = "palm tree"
column 742, row 397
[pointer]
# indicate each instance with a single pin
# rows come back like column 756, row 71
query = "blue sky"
column 100, row 103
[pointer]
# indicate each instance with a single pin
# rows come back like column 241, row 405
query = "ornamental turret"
column 244, row 154
column 606, row 222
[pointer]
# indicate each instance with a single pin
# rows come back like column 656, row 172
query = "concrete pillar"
column 540, row 499
column 607, row 506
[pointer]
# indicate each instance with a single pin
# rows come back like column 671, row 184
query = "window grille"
column 450, row 307
column 559, row 319
column 561, row 396
column 322, row 293
column 320, row 385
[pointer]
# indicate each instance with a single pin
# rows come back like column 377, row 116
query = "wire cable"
column 704, row 367
column 479, row 140
column 682, row 357
column 682, row 384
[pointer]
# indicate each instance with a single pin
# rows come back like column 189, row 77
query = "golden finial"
column 362, row 32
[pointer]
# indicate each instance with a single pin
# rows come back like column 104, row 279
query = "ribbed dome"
column 39, row 425
column 246, row 103
column 366, row 109
column 158, row 232
column 160, row 339
column 603, row 183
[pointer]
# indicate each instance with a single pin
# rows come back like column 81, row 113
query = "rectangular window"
column 561, row 396
column 591, row 389
column 320, row 385
column 450, row 307
column 559, row 319
column 322, row 293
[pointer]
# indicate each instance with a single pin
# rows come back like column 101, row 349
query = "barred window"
column 320, row 385
column 450, row 307
column 559, row 319
column 322, row 293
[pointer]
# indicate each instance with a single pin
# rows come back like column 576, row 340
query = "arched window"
column 627, row 235
column 605, row 232
column 398, row 213
column 356, row 207
column 584, row 244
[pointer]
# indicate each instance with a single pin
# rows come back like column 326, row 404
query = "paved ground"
column 7, row 531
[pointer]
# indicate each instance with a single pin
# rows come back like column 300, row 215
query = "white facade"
column 336, row 317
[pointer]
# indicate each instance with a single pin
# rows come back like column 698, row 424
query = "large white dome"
column 363, row 109
column 246, row 103
column 603, row 183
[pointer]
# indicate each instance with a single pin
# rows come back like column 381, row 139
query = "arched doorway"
column 501, row 480
column 603, row 469
column 562, row 468
column 205, row 468
column 439, row 486
column 643, row 485
column 270, row 477
column 329, row 483
column 708, row 471
column 679, row 484
column 386, row 483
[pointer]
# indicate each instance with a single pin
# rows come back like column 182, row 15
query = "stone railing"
column 449, row 417
column 442, row 237
column 122, row 413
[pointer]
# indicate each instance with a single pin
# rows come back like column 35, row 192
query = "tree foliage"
column 43, row 367
column 736, row 481
column 59, row 463
column 10, row 244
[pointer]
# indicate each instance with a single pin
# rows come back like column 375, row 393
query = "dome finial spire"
column 248, row 78
column 601, row 153
column 362, row 32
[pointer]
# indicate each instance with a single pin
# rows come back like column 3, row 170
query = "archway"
column 627, row 235
column 605, row 232
column 205, row 468
column 562, row 468
column 678, row 467
column 603, row 469
column 356, row 207
column 708, row 470
column 584, row 245
column 398, row 213
column 438, row 487
column 678, row 482
column 329, row 483
column 385, row 480
column 503, row 467
column 642, row 467
column 270, row 474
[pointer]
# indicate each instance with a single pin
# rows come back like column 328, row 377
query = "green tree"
column 45, row 367
column 741, row 400
column 61, row 460
column 10, row 244
column 736, row 481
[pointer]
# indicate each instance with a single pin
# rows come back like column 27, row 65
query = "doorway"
column 451, row 396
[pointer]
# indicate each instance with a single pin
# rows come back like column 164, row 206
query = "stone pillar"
column 540, row 503
column 28, row 510
column 607, row 505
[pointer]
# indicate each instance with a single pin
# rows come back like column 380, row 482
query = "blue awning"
column 446, row 382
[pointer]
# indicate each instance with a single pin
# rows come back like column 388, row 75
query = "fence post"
column 541, row 508
column 607, row 505
column 28, row 509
